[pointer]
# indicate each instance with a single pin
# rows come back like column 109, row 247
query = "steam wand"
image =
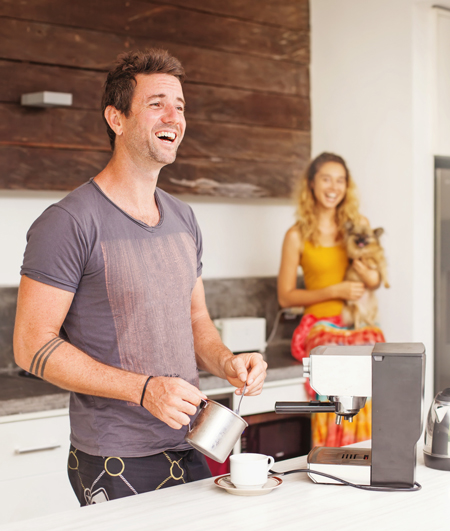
column 315, row 406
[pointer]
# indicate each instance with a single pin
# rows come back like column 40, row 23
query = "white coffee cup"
column 250, row 471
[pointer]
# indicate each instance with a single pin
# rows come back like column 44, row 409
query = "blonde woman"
column 326, row 200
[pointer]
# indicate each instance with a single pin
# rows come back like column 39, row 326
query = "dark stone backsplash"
column 236, row 297
column 248, row 297
column 239, row 297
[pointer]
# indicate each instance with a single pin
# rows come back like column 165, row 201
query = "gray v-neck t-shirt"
column 132, row 306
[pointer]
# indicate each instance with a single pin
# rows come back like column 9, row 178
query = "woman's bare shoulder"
column 293, row 238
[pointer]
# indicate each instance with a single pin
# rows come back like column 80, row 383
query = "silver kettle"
column 436, row 451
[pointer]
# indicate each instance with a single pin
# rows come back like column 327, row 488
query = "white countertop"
column 297, row 504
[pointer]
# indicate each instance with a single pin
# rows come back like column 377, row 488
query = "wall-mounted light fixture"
column 47, row 99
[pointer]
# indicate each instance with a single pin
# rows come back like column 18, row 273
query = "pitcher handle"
column 203, row 403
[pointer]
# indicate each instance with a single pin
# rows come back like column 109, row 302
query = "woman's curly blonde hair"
column 347, row 210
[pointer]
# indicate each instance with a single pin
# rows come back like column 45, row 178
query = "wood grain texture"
column 204, row 102
column 247, row 90
column 48, row 169
column 80, row 48
column 241, row 142
column 285, row 13
column 245, row 179
column 17, row 78
column 63, row 127
column 247, row 107
column 53, row 125
column 139, row 18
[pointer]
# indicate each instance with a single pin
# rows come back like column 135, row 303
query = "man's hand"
column 172, row 400
column 248, row 367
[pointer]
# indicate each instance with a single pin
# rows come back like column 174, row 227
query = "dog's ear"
column 348, row 226
column 378, row 232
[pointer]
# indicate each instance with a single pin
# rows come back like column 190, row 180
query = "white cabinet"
column 33, row 465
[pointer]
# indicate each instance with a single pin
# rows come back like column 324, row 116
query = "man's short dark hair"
column 121, row 81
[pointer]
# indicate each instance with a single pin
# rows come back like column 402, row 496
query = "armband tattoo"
column 37, row 368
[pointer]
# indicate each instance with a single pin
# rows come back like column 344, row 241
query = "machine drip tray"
column 350, row 464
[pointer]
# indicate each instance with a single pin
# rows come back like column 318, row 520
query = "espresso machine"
column 392, row 374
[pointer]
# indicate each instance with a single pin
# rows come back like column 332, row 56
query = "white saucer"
column 224, row 482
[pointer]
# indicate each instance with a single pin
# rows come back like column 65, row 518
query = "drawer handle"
column 37, row 449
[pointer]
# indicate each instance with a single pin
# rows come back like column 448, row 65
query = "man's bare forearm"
column 41, row 357
column 61, row 364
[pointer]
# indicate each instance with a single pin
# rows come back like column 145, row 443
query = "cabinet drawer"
column 271, row 393
column 32, row 447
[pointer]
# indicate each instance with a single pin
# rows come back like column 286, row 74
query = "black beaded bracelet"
column 143, row 390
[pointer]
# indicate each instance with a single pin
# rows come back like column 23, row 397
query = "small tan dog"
column 362, row 243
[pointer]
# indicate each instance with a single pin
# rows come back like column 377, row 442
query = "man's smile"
column 167, row 136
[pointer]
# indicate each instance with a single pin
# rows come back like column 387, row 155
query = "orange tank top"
column 323, row 267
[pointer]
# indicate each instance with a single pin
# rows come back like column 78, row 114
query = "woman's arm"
column 288, row 293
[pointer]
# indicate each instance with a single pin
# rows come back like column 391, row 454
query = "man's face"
column 155, row 126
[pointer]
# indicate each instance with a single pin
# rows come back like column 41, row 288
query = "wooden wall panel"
column 205, row 102
column 285, row 13
column 239, row 142
column 49, row 169
column 18, row 78
column 220, row 104
column 63, row 127
column 64, row 169
column 60, row 126
column 247, row 90
column 292, row 14
column 144, row 19
column 87, row 49
column 230, row 178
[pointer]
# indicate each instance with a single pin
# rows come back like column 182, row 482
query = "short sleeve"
column 56, row 251
column 198, row 242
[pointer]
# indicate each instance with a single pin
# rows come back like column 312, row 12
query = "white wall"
column 18, row 209
column 241, row 238
column 372, row 101
column 361, row 77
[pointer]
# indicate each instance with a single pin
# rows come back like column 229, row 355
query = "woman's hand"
column 349, row 291
column 370, row 277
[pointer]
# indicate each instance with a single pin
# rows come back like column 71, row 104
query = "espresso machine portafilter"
column 345, row 407
column 392, row 374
